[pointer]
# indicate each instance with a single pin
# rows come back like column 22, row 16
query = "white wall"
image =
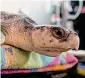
column 38, row 10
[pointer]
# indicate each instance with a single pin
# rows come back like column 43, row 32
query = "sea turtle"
column 23, row 33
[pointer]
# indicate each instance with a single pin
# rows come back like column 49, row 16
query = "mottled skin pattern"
column 21, row 32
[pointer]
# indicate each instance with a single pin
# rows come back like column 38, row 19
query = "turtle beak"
column 75, row 41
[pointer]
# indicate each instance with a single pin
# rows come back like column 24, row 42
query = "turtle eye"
column 58, row 33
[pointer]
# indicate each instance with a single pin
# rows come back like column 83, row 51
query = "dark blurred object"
column 79, row 26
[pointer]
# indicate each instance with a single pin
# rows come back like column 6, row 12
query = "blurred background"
column 66, row 13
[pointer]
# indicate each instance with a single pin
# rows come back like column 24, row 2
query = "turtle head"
column 52, row 40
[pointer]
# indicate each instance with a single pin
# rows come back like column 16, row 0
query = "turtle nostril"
column 72, row 32
column 75, row 33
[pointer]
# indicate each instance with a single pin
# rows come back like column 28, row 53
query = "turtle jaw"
column 51, row 51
